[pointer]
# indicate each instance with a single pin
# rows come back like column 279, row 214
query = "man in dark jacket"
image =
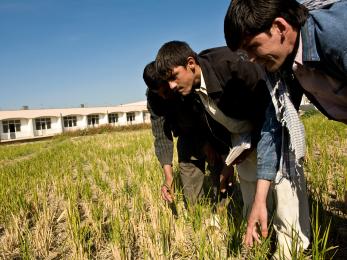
column 172, row 115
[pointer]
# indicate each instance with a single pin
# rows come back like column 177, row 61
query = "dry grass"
column 97, row 197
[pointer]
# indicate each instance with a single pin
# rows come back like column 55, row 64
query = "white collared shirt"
column 235, row 126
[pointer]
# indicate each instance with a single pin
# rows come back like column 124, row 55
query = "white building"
column 27, row 124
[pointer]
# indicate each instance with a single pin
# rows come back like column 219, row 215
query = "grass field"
column 97, row 197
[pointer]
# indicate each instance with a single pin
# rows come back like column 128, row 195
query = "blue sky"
column 62, row 53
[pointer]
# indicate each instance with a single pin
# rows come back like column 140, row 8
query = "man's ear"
column 280, row 26
column 191, row 63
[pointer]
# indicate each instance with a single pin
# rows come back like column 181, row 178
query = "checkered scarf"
column 317, row 4
column 293, row 132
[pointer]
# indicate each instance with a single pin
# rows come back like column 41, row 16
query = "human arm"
column 163, row 140
column 268, row 156
column 163, row 144
column 164, row 151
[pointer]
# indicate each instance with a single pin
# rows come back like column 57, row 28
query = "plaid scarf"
column 293, row 132
column 317, row 4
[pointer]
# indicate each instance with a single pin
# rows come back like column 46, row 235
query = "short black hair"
column 173, row 54
column 151, row 76
column 250, row 17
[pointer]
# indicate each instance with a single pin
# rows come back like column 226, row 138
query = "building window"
column 11, row 126
column 130, row 117
column 93, row 119
column 70, row 121
column 113, row 118
column 43, row 123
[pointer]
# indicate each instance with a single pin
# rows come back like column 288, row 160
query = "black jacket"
column 237, row 87
column 232, row 82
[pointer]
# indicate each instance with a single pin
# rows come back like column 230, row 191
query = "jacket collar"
column 309, row 46
column 211, row 80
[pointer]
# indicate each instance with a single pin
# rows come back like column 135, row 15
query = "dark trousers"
column 192, row 163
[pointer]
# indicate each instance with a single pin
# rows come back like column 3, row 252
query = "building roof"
column 58, row 112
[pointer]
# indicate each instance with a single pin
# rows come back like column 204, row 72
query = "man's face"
column 182, row 80
column 267, row 49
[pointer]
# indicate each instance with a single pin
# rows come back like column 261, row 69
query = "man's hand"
column 167, row 192
column 258, row 214
column 226, row 178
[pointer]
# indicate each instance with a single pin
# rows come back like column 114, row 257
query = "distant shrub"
column 105, row 129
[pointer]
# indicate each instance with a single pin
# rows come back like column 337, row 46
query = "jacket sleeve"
column 267, row 131
column 246, row 95
column 163, row 141
column 269, row 146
